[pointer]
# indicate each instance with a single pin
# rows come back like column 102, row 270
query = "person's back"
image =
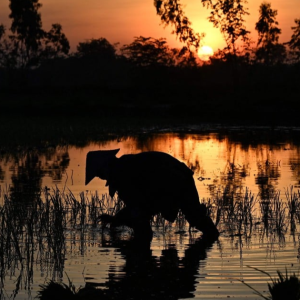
column 155, row 182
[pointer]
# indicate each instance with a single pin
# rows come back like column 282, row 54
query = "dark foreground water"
column 232, row 167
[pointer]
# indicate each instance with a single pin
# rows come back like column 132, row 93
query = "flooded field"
column 249, row 181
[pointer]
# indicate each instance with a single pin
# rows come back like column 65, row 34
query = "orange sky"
column 122, row 20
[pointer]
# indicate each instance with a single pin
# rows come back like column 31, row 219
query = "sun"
column 205, row 52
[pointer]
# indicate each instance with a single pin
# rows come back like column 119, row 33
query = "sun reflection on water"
column 224, row 168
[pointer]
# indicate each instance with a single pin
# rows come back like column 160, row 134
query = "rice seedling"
column 82, row 210
column 279, row 214
column 57, row 217
column 283, row 286
column 292, row 202
column 248, row 208
column 74, row 206
column 159, row 222
column 273, row 214
column 293, row 206
column 94, row 206
column 266, row 211
column 180, row 222
column 236, row 216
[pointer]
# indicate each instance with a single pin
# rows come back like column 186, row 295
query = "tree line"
column 229, row 17
column 27, row 45
column 147, row 77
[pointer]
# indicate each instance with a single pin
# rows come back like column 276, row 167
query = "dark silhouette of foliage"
column 184, row 57
column 8, row 50
column 269, row 50
column 148, row 51
column 3, row 46
column 97, row 47
column 267, row 31
column 56, row 42
column 271, row 54
column 2, row 31
column 222, row 56
column 228, row 15
column 294, row 43
column 29, row 44
column 171, row 13
column 27, row 27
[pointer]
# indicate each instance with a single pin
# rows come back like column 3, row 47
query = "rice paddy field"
column 50, row 229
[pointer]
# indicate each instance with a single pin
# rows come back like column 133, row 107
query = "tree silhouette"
column 8, row 50
column 55, row 42
column 184, row 57
column 29, row 43
column 294, row 43
column 97, row 48
column 27, row 27
column 148, row 51
column 228, row 15
column 269, row 50
column 2, row 31
column 171, row 13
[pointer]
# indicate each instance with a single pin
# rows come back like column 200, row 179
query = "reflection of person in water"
column 143, row 276
column 149, row 277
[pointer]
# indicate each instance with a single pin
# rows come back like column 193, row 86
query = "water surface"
column 218, row 161
column 225, row 165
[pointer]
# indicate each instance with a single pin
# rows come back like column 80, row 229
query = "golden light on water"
column 210, row 158
column 219, row 161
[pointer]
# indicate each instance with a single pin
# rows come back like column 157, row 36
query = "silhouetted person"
column 149, row 183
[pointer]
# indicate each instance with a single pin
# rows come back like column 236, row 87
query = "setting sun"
column 205, row 52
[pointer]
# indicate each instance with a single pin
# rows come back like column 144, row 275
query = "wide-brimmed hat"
column 94, row 161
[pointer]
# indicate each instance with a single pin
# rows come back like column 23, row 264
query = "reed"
column 55, row 217
column 284, row 285
column 273, row 213
column 293, row 206
column 235, row 216
column 180, row 222
column 279, row 209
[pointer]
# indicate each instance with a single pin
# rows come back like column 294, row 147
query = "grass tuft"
column 283, row 286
